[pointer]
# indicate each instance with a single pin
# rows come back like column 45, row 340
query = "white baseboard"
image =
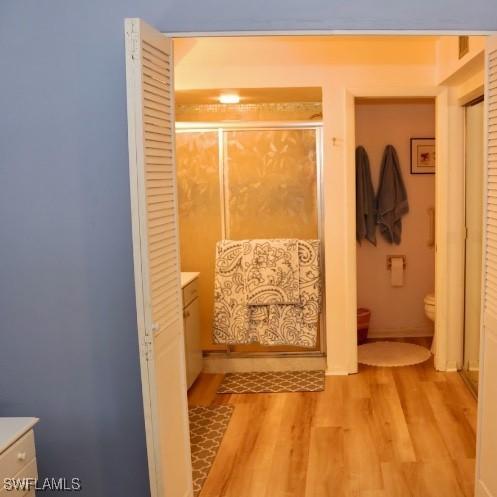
column 331, row 372
column 482, row 490
column 401, row 333
column 449, row 367
column 221, row 364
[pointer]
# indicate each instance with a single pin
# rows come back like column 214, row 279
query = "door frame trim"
column 443, row 267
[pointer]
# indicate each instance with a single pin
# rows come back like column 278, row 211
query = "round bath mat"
column 392, row 354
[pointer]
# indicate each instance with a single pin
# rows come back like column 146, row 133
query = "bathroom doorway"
column 396, row 275
column 474, row 178
column 299, row 66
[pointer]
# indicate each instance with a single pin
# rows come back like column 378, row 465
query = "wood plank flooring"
column 385, row 432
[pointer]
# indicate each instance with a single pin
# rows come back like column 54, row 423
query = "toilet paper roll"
column 397, row 271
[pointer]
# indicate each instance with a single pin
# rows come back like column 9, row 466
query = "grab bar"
column 431, row 227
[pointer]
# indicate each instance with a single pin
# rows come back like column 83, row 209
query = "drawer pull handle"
column 21, row 456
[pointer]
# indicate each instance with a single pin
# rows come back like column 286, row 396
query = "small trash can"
column 363, row 318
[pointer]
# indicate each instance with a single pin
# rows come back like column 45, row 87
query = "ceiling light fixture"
column 229, row 98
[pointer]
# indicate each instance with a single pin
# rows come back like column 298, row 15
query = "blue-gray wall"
column 68, row 345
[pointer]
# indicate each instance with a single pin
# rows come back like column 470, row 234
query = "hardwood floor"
column 385, row 432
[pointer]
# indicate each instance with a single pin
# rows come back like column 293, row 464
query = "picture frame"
column 423, row 156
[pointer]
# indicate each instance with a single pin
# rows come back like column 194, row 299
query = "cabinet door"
column 192, row 342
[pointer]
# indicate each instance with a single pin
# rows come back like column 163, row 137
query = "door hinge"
column 148, row 346
column 134, row 45
column 148, row 340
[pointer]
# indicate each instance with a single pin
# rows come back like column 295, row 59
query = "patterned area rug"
column 392, row 354
column 207, row 427
column 273, row 382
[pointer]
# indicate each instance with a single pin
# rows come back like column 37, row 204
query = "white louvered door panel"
column 486, row 475
column 149, row 69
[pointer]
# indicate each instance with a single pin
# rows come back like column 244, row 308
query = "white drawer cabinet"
column 191, row 323
column 17, row 453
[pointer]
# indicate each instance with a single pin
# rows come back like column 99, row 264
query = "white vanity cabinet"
column 17, row 454
column 191, row 323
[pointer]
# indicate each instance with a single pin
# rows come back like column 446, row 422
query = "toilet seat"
column 430, row 299
column 430, row 307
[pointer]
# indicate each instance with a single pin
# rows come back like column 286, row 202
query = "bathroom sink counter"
column 188, row 277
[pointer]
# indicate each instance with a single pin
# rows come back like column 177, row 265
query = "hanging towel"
column 271, row 271
column 231, row 313
column 236, row 322
column 293, row 324
column 391, row 201
column 365, row 200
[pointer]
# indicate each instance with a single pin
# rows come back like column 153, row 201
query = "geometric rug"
column 273, row 382
column 207, row 427
column 392, row 354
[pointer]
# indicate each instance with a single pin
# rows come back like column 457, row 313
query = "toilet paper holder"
column 389, row 260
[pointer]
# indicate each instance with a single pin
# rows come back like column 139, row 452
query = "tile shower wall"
column 398, row 310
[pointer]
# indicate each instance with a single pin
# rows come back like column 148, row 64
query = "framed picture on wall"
column 423, row 156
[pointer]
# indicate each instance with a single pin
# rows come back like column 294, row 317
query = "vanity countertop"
column 12, row 429
column 187, row 278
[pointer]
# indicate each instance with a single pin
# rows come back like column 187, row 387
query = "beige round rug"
column 392, row 354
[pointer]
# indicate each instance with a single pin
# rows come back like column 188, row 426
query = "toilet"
column 430, row 306
column 430, row 313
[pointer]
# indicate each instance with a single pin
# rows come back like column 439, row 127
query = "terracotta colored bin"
column 363, row 318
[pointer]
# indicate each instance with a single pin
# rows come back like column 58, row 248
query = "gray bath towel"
column 365, row 201
column 391, row 201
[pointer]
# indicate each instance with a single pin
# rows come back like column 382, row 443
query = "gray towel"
column 391, row 201
column 365, row 201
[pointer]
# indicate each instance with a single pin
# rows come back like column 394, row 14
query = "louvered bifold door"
column 486, row 474
column 149, row 69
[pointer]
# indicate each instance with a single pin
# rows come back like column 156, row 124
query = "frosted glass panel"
column 199, row 215
column 271, row 183
column 271, row 191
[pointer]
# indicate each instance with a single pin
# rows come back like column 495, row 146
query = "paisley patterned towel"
column 231, row 313
column 271, row 271
column 236, row 322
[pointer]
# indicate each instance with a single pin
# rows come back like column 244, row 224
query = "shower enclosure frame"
column 221, row 127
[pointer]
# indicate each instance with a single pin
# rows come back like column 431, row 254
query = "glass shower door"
column 239, row 184
column 271, row 184
column 271, row 190
column 199, row 208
